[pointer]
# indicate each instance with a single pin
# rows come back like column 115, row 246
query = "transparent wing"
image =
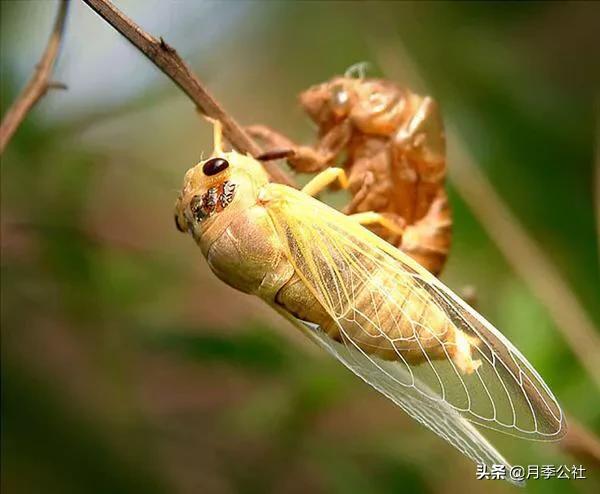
column 437, row 415
column 393, row 324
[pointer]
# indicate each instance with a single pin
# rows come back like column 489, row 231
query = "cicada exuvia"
column 370, row 305
column 391, row 143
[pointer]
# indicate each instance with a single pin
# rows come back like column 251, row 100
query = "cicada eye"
column 197, row 209
column 340, row 101
column 340, row 96
column 214, row 166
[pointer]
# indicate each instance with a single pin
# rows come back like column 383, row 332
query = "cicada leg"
column 305, row 159
column 371, row 186
column 271, row 138
column 394, row 223
column 361, row 193
column 324, row 179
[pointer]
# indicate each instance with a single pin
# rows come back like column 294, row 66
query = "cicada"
column 371, row 306
column 391, row 143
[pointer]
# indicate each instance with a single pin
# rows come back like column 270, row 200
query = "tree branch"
column 172, row 65
column 39, row 84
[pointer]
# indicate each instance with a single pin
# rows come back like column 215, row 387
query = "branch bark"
column 172, row 65
column 39, row 83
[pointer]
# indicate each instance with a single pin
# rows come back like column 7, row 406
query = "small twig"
column 165, row 57
column 39, row 84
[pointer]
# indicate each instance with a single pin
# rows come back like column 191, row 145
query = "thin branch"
column 39, row 84
column 172, row 65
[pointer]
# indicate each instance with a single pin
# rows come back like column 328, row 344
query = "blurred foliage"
column 127, row 367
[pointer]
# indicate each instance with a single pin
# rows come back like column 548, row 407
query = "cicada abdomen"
column 383, row 312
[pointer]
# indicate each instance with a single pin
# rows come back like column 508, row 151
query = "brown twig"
column 39, row 84
column 165, row 57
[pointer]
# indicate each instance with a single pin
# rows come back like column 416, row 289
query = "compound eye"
column 214, row 166
column 340, row 100
column 340, row 96
column 196, row 208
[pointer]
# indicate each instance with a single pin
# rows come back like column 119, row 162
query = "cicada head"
column 358, row 98
column 331, row 101
column 227, row 181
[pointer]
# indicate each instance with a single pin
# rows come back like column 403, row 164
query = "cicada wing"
column 374, row 292
column 436, row 415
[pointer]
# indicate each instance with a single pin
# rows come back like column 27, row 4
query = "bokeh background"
column 128, row 367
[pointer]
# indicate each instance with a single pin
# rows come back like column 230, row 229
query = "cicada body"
column 369, row 304
column 393, row 142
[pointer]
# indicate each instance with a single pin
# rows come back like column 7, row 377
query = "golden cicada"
column 370, row 305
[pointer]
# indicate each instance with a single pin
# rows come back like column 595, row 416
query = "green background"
column 128, row 367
